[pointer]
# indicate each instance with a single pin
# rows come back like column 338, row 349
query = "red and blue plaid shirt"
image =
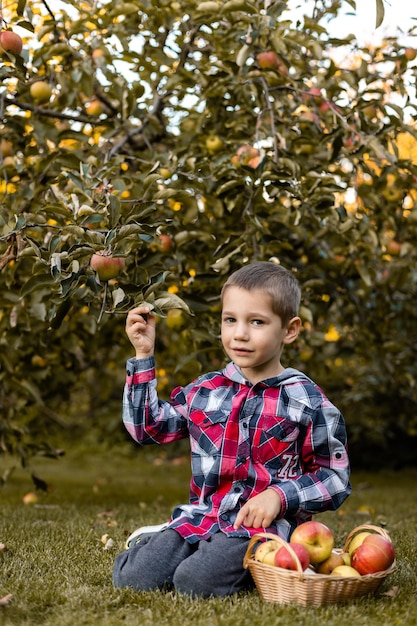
column 281, row 433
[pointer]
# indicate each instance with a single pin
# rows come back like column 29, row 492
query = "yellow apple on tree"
column 174, row 319
column 317, row 538
column 41, row 91
column 214, row 144
column 94, row 107
column 106, row 265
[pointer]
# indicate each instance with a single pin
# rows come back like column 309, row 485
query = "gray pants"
column 166, row 561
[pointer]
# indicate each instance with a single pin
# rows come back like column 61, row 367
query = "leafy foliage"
column 163, row 121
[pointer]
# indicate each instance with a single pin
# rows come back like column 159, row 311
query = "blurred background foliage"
column 164, row 135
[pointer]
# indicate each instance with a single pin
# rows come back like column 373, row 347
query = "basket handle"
column 260, row 536
column 364, row 527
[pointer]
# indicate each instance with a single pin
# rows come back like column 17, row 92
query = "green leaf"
column 380, row 12
column 20, row 9
column 39, row 281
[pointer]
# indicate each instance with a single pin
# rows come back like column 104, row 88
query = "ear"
column 293, row 330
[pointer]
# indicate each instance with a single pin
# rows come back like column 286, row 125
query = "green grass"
column 59, row 573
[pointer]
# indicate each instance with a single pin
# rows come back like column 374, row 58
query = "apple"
column 6, row 148
column 284, row 559
column 267, row 60
column 11, row 42
column 246, row 155
column 375, row 554
column 393, row 247
column 317, row 538
column 165, row 173
column 315, row 94
column 165, row 242
column 41, row 91
column 410, row 54
column 174, row 319
column 357, row 541
column 214, row 144
column 106, row 265
column 94, row 107
column 345, row 571
column 334, row 560
column 265, row 548
column 30, row 498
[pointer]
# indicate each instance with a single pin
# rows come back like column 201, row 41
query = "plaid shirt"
column 281, row 433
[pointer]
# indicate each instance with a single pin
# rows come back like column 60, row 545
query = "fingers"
column 141, row 317
column 253, row 519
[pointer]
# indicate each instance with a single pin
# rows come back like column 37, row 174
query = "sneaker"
column 142, row 533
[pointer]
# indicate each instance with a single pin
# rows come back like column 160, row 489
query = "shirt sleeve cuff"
column 284, row 504
column 140, row 370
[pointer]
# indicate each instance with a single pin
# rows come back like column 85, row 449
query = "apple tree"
column 174, row 141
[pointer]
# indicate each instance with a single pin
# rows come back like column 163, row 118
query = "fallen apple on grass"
column 284, row 558
column 317, row 538
column 30, row 498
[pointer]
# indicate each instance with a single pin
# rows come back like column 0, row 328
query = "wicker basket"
column 310, row 589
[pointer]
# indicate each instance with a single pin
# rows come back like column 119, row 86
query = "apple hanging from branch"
column 106, row 265
column 11, row 42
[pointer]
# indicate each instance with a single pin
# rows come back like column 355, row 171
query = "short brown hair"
column 277, row 281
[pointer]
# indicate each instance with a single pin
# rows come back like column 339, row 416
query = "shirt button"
column 245, row 425
column 224, row 517
column 236, row 489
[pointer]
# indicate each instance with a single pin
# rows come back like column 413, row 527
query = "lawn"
column 55, row 567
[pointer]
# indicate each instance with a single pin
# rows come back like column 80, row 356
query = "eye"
column 228, row 320
column 258, row 322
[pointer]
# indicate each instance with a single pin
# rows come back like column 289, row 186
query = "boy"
column 268, row 449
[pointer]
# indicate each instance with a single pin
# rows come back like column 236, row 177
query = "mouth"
column 242, row 351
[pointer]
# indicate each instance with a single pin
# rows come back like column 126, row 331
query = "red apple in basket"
column 375, row 554
column 284, row 559
column 317, row 538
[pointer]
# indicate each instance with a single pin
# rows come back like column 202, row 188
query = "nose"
column 241, row 332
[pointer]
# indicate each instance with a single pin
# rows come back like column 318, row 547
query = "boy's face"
column 252, row 334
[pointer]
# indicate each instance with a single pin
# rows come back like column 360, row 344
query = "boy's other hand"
column 260, row 511
column 140, row 328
